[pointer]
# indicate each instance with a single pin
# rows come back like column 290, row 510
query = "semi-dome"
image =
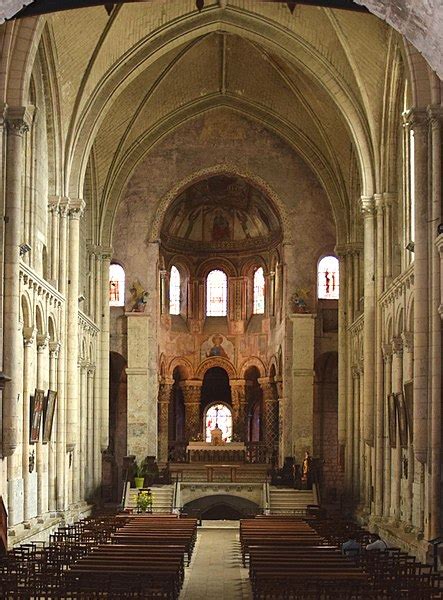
column 222, row 213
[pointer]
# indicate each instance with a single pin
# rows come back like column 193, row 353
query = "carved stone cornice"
column 367, row 206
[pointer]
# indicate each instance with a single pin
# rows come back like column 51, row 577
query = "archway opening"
column 215, row 387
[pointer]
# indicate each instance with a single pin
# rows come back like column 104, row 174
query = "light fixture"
column 24, row 248
column 410, row 246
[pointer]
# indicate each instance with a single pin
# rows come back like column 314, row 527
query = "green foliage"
column 144, row 501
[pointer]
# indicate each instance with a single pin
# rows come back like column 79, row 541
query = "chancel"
column 222, row 260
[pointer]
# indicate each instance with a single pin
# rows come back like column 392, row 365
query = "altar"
column 207, row 452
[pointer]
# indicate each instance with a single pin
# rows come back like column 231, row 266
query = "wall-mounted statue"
column 139, row 297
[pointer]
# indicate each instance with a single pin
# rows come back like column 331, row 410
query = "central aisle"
column 216, row 570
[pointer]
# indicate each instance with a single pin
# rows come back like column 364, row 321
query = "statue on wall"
column 299, row 300
column 139, row 297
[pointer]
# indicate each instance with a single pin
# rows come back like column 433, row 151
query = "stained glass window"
column 327, row 276
column 116, row 285
column 259, row 292
column 216, row 294
column 174, row 291
column 220, row 415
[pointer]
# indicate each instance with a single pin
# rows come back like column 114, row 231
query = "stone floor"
column 216, row 570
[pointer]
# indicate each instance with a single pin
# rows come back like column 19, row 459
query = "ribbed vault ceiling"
column 218, row 64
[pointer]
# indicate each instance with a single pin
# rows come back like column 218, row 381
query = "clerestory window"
column 216, row 294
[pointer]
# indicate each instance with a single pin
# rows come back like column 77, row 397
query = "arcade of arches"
column 216, row 157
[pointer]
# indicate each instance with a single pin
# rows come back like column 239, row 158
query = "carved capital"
column 387, row 352
column 54, row 348
column 104, row 252
column 389, row 199
column 29, row 334
column 53, row 204
column 367, row 205
column 417, row 120
column 435, row 116
column 408, row 340
column 378, row 203
column 164, row 393
column 91, row 369
column 76, row 208
column 42, row 342
column 19, row 119
column 63, row 206
column 397, row 345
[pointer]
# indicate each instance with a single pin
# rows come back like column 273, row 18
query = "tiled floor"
column 216, row 572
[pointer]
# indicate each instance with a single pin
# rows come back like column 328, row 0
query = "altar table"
column 206, row 452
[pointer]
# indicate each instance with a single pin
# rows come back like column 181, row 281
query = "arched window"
column 116, row 285
column 216, row 294
column 259, row 292
column 327, row 278
column 218, row 415
column 174, row 291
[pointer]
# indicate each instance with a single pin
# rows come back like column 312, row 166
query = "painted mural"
column 217, row 345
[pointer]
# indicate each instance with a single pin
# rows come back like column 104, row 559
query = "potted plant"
column 139, row 474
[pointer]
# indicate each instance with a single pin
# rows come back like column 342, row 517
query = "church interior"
column 222, row 272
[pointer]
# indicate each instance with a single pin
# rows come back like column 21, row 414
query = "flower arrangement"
column 144, row 501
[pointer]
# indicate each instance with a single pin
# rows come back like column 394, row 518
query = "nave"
column 162, row 556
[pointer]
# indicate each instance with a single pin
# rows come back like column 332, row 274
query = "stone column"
column 16, row 127
column 387, row 358
column 90, row 436
column 191, row 396
column 29, row 482
column 54, row 348
column 53, row 205
column 142, row 388
column 270, row 417
column 388, row 200
column 83, row 421
column 164, row 401
column 342, row 354
column 239, row 407
column 408, row 366
column 61, row 455
column 106, row 254
column 164, row 292
column 357, row 432
column 397, row 386
column 356, row 282
column 379, row 396
column 63, row 245
column 97, row 378
column 435, row 114
column 75, row 212
column 421, row 285
column 42, row 451
column 367, row 206
column 302, row 383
